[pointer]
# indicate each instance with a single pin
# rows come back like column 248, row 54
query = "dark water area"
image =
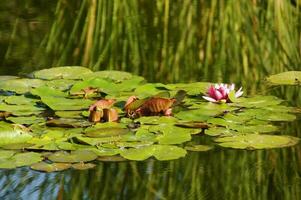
column 217, row 174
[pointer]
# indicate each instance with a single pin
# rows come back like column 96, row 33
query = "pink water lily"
column 219, row 92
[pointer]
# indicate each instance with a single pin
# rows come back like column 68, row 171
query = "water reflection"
column 218, row 174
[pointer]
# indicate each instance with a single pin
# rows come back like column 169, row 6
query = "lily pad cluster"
column 45, row 120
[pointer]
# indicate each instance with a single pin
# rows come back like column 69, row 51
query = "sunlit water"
column 217, row 174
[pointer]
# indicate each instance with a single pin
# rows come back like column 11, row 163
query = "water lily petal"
column 239, row 92
column 211, row 92
column 218, row 95
column 209, row 99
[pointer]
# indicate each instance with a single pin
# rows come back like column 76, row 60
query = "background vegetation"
column 163, row 40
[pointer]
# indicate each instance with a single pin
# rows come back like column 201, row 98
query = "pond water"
column 220, row 173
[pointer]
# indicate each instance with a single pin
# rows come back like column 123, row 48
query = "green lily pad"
column 266, row 128
column 111, row 159
column 198, row 147
column 46, row 91
column 102, row 85
column 68, row 123
column 286, row 78
column 220, row 131
column 21, row 110
column 67, row 146
column 28, row 158
column 191, row 88
column 83, row 166
column 149, row 89
column 73, row 157
column 109, row 74
column 145, row 135
column 70, row 114
column 6, row 78
column 20, row 159
column 16, row 146
column 267, row 115
column 168, row 152
column 196, row 115
column 20, row 86
column 65, row 72
column 257, row 101
column 11, row 134
column 103, row 151
column 50, row 167
column 142, row 153
column 61, row 84
column 19, row 100
column 56, row 103
column 160, row 152
column 106, row 132
column 6, row 154
column 7, row 164
column 98, row 141
column 255, row 141
column 25, row 120
column 156, row 120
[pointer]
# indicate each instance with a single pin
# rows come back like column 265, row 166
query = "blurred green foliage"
column 163, row 40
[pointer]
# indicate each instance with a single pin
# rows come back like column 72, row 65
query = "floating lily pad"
column 68, row 123
column 156, row 120
column 103, row 151
column 168, row 152
column 6, row 154
column 10, row 134
column 28, row 158
column 220, row 131
column 98, row 141
column 83, row 166
column 20, row 159
column 102, row 85
column 149, row 89
column 70, row 114
column 145, row 135
column 109, row 74
column 160, row 152
column 106, row 132
column 45, row 91
column 142, row 153
column 111, row 159
column 195, row 115
column 200, row 125
column 50, row 167
column 21, row 110
column 6, row 78
column 73, row 157
column 61, row 84
column 67, row 104
column 257, row 101
column 255, row 141
column 7, row 164
column 19, row 100
column 16, row 146
column 25, row 120
column 20, row 86
column 191, row 88
column 286, row 78
column 267, row 115
column 66, row 72
column 198, row 148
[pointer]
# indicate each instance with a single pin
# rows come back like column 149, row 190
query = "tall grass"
column 179, row 40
